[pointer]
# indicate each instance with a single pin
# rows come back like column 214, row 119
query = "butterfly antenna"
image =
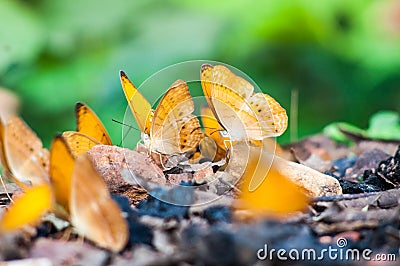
column 122, row 123
column 126, row 134
column 294, row 112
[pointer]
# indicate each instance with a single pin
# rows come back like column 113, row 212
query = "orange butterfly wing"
column 139, row 106
column 175, row 129
column 93, row 213
column 78, row 142
column 212, row 130
column 243, row 114
column 23, row 157
column 62, row 163
column 89, row 124
column 28, row 208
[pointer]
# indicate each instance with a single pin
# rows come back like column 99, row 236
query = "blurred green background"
column 343, row 57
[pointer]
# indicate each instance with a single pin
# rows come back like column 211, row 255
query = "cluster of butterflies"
column 60, row 177
column 57, row 180
column 235, row 113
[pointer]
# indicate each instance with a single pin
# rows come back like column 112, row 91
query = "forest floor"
column 359, row 227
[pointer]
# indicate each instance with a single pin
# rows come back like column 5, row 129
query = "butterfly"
column 23, row 158
column 90, row 131
column 171, row 128
column 244, row 114
column 81, row 191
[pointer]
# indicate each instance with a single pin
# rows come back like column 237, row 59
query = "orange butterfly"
column 171, row 128
column 244, row 114
column 90, row 131
column 81, row 191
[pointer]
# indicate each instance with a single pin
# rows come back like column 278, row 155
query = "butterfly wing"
column 62, row 163
column 93, row 213
column 28, row 208
column 174, row 128
column 78, row 142
column 140, row 107
column 24, row 157
column 212, row 130
column 270, row 114
column 242, row 113
column 88, row 123
column 190, row 134
column 223, row 76
column 3, row 159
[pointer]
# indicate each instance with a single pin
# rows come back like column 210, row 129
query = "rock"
column 111, row 161
column 316, row 162
column 319, row 145
column 366, row 161
column 315, row 183
column 367, row 145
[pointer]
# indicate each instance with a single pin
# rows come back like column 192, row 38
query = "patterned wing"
column 271, row 116
column 174, row 128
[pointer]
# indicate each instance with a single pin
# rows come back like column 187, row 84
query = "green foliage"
column 342, row 56
column 384, row 125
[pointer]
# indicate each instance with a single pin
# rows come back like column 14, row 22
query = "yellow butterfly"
column 23, row 157
column 171, row 128
column 244, row 114
column 90, row 131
